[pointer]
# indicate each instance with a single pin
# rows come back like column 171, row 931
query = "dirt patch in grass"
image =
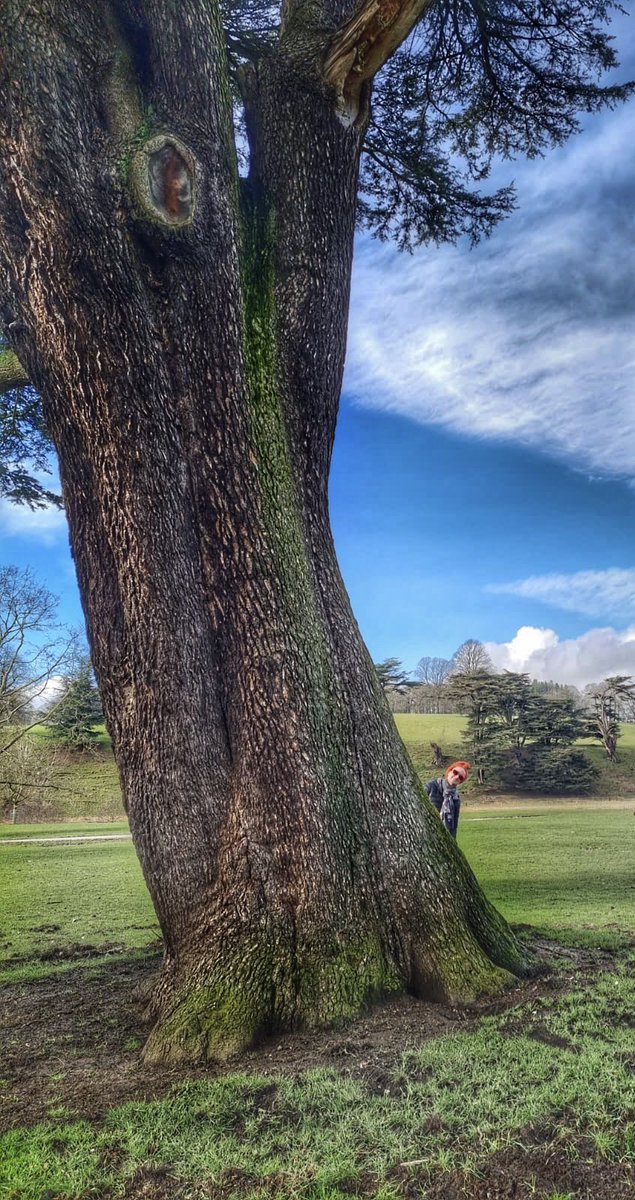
column 233, row 1184
column 536, row 1173
column 70, row 1043
column 75, row 951
column 539, row 1173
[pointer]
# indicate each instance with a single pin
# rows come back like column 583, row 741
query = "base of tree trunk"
column 216, row 1012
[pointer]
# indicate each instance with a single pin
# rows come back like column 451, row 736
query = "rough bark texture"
column 187, row 332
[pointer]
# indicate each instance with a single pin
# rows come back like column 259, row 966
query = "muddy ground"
column 74, row 1040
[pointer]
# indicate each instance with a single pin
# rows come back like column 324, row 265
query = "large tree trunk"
column 187, row 333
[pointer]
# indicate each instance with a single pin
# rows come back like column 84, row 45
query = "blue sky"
column 483, row 480
column 484, row 476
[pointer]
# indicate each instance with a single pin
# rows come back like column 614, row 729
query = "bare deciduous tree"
column 34, row 649
column 470, row 658
column 433, row 670
column 28, row 774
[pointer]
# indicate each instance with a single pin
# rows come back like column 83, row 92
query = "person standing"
column 444, row 794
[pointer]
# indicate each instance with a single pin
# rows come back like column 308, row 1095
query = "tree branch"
column 12, row 373
column 364, row 43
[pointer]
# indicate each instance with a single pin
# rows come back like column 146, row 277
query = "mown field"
column 531, row 1096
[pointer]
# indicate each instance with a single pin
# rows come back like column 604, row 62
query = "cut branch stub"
column 362, row 46
column 163, row 181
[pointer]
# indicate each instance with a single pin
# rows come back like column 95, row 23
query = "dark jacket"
column 435, row 791
column 447, row 802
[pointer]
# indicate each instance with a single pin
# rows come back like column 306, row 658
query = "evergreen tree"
column 513, row 734
column 551, row 770
column 557, row 722
column 25, row 446
column 74, row 713
column 551, row 690
column 610, row 701
column 487, row 741
column 391, row 676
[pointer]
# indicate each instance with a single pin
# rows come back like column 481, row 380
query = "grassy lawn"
column 323, row 1137
column 64, row 829
column 543, row 1089
column 539, row 1094
column 80, row 897
column 567, row 871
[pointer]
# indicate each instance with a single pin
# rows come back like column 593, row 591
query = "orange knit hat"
column 462, row 766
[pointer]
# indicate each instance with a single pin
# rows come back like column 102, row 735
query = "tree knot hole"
column 164, row 180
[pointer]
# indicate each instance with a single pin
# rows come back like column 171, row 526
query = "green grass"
column 562, row 1060
column 54, row 896
column 86, row 784
column 417, row 730
column 63, row 829
column 447, row 1104
column 567, row 871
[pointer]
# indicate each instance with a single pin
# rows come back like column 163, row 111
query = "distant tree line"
column 520, row 733
column 428, row 691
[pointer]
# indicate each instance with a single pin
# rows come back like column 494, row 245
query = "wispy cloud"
column 578, row 661
column 529, row 338
column 45, row 525
column 595, row 593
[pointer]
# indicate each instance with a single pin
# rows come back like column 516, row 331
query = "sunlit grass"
column 57, row 895
column 561, row 1061
column 567, row 871
column 64, row 829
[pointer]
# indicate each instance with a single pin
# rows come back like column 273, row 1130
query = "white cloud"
column 45, row 693
column 596, row 593
column 529, row 338
column 578, row 661
column 42, row 524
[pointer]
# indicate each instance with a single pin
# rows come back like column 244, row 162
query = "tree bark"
column 187, row 332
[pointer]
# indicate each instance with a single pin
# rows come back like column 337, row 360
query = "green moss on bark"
column 338, row 980
column 262, row 989
column 135, row 138
column 214, row 1021
column 280, row 505
column 267, row 426
column 460, row 972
